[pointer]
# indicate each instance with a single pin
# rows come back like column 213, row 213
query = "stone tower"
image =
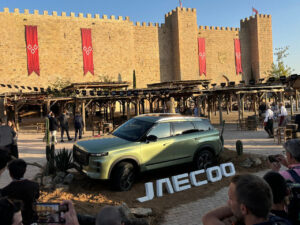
column 183, row 25
column 256, row 46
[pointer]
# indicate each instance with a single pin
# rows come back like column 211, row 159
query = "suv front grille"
column 80, row 156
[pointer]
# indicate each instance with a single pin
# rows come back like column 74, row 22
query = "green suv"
column 147, row 142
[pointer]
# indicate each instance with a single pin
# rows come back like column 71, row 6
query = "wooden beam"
column 83, row 115
column 220, row 109
column 53, row 103
column 297, row 99
column 88, row 103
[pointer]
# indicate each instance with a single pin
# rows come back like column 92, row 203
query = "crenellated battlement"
column 144, row 24
column 212, row 28
column 255, row 17
column 64, row 15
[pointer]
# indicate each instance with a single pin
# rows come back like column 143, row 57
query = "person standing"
column 14, row 146
column 78, row 125
column 53, row 125
column 283, row 115
column 64, row 125
column 268, row 122
column 7, row 135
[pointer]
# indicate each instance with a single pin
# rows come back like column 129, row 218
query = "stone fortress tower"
column 156, row 52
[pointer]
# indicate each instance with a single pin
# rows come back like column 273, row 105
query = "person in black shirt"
column 78, row 125
column 64, row 125
column 7, row 135
column 53, row 125
column 280, row 192
column 22, row 189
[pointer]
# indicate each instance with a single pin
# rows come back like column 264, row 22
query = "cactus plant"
column 239, row 147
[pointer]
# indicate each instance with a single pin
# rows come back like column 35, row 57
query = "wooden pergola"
column 103, row 97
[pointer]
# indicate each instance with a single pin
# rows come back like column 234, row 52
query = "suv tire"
column 204, row 159
column 123, row 176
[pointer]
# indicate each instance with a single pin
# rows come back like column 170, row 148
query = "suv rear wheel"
column 123, row 176
column 204, row 159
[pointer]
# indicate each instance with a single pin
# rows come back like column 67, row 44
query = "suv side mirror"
column 151, row 138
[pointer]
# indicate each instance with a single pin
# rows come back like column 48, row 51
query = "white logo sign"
column 32, row 49
column 182, row 182
column 87, row 50
column 238, row 55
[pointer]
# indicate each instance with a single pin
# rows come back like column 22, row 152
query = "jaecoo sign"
column 185, row 181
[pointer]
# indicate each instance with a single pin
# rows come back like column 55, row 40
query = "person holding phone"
column 22, row 189
column 291, row 161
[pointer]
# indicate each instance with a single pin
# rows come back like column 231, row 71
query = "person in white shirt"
column 282, row 116
column 268, row 122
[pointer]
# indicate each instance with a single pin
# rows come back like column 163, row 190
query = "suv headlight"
column 100, row 154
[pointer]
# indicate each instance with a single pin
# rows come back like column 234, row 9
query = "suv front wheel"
column 123, row 176
column 204, row 159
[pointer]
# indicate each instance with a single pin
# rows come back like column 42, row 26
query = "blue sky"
column 285, row 14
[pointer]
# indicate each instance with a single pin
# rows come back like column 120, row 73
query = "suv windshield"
column 133, row 129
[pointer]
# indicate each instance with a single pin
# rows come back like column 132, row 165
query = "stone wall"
column 156, row 52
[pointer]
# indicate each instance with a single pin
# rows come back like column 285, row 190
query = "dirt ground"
column 90, row 195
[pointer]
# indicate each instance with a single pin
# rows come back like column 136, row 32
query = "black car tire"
column 123, row 176
column 204, row 159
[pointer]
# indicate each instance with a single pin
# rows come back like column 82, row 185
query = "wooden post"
column 16, row 116
column 143, row 106
column 230, row 101
column 128, row 110
column 239, row 108
column 137, row 107
column 255, row 108
column 209, row 108
column 291, row 102
column 220, row 110
column 83, row 116
column 151, row 105
column 297, row 100
column 48, row 106
column 123, row 108
column 242, row 106
column 41, row 111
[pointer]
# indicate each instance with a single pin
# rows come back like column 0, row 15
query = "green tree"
column 134, row 79
column 279, row 68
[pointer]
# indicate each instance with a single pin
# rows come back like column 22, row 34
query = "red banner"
column 202, row 56
column 87, row 50
column 32, row 50
column 238, row 58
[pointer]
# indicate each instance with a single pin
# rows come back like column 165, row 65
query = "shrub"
column 63, row 160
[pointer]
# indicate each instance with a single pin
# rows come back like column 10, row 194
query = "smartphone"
column 50, row 212
column 272, row 158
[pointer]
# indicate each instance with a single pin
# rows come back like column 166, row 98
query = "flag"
column 202, row 56
column 180, row 3
column 87, row 50
column 238, row 59
column 255, row 11
column 32, row 47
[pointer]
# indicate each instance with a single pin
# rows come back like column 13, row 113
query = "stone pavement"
column 32, row 149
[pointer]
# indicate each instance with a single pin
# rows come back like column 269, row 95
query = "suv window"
column 161, row 130
column 203, row 125
column 182, row 127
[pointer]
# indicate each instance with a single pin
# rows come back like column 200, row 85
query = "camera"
column 50, row 212
column 273, row 158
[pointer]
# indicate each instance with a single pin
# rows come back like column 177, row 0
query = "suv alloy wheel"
column 123, row 176
column 204, row 159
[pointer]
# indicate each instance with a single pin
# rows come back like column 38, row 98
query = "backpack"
column 294, row 205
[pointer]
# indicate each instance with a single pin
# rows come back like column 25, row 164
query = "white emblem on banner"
column 32, row 49
column 238, row 55
column 202, row 55
column 87, row 50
